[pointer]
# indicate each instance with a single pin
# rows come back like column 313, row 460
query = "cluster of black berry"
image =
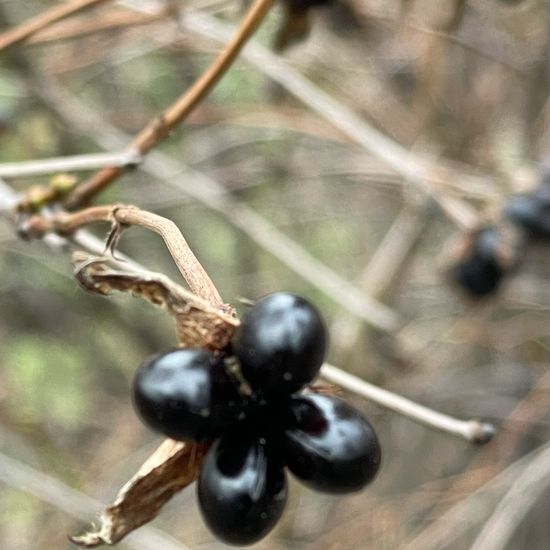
column 493, row 251
column 192, row 394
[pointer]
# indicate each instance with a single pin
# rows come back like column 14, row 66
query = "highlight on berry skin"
column 329, row 446
column 186, row 394
column 280, row 344
column 193, row 394
column 242, row 488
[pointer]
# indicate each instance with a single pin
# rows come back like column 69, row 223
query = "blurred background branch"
column 337, row 169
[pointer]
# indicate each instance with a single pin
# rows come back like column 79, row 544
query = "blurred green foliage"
column 46, row 381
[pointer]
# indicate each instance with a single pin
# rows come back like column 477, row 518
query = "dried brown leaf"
column 198, row 324
column 172, row 467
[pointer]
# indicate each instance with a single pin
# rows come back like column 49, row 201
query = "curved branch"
column 403, row 162
column 160, row 127
column 65, row 223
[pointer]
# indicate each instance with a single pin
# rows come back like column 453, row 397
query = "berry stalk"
column 473, row 430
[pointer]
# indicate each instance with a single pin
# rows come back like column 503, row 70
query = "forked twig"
column 65, row 223
column 160, row 127
column 214, row 196
column 470, row 430
column 175, row 465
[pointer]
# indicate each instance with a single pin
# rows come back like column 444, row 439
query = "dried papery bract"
column 171, row 468
column 201, row 319
column 198, row 324
column 174, row 465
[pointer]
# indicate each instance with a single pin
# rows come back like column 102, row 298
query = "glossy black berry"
column 329, row 446
column 479, row 271
column 280, row 344
column 242, row 488
column 186, row 394
column 532, row 213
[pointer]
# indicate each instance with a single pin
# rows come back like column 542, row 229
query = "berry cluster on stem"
column 249, row 403
column 493, row 250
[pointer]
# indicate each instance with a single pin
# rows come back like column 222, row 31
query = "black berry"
column 242, row 488
column 280, row 344
column 186, row 394
column 329, row 445
column 532, row 213
column 479, row 271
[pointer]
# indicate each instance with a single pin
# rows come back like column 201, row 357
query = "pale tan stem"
column 471, row 430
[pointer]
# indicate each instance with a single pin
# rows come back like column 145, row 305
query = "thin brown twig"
column 214, row 196
column 413, row 169
column 43, row 20
column 160, row 127
column 69, row 30
column 64, row 223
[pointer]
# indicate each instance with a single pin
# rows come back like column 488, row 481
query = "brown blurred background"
column 463, row 84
